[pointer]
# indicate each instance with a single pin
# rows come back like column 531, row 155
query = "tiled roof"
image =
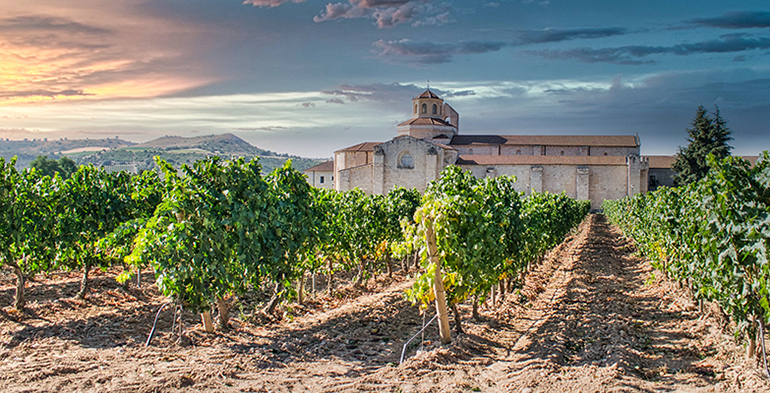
column 427, row 94
column 327, row 166
column 661, row 162
column 665, row 162
column 539, row 160
column 363, row 146
column 751, row 159
column 547, row 140
column 425, row 121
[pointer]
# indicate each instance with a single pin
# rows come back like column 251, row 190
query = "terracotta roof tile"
column 661, row 162
column 751, row 159
column 548, row 140
column 539, row 160
column 363, row 146
column 327, row 166
column 427, row 94
column 426, row 121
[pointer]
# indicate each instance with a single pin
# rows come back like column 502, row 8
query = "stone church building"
column 585, row 167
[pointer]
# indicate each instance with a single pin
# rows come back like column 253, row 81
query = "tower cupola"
column 427, row 104
column 431, row 118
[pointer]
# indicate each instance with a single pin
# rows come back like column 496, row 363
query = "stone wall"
column 612, row 151
column 606, row 182
column 661, row 177
column 320, row 179
column 350, row 178
column 594, row 182
column 427, row 162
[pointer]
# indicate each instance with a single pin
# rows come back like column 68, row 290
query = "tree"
column 65, row 167
column 708, row 136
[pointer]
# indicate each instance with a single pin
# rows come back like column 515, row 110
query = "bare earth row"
column 591, row 317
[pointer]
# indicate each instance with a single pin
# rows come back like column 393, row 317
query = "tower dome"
column 431, row 118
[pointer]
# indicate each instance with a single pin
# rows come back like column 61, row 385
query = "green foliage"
column 357, row 229
column 65, row 167
column 94, row 203
column 485, row 231
column 707, row 136
column 27, row 222
column 204, row 237
column 712, row 235
column 222, row 227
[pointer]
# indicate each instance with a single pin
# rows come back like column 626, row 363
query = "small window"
column 415, row 109
column 435, row 110
column 518, row 152
column 562, row 152
column 605, row 153
column 424, row 108
column 406, row 161
column 322, row 180
column 470, row 151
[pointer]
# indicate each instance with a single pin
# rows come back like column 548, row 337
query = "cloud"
column 270, row 3
column 393, row 94
column 424, row 52
column 43, row 93
column 736, row 20
column 37, row 22
column 544, row 3
column 389, row 13
column 266, row 128
column 637, row 54
column 378, row 92
column 558, row 35
column 101, row 56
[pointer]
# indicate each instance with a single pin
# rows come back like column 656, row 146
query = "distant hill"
column 228, row 143
column 118, row 154
column 28, row 149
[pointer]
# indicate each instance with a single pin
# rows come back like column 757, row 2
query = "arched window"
column 405, row 160
column 518, row 152
column 434, row 109
column 424, row 108
column 562, row 152
column 470, row 151
column 415, row 109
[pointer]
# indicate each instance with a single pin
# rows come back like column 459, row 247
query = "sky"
column 310, row 77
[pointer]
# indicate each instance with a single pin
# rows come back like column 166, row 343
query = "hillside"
column 118, row 154
column 27, row 150
column 225, row 143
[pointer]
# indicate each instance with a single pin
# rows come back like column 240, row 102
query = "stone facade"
column 321, row 175
column 588, row 167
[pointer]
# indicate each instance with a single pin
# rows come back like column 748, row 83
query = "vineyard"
column 712, row 238
column 114, row 282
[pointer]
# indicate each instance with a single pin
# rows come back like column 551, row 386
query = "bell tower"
column 431, row 118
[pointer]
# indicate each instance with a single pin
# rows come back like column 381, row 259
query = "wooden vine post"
column 208, row 324
column 438, row 285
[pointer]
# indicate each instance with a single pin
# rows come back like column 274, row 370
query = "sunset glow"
column 306, row 78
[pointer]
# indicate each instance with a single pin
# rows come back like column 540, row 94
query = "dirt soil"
column 591, row 317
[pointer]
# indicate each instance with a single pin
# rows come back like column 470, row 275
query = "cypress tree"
column 707, row 136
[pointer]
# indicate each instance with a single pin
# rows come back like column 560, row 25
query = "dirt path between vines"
column 591, row 317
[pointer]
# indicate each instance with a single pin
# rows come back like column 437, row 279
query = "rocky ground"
column 591, row 317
